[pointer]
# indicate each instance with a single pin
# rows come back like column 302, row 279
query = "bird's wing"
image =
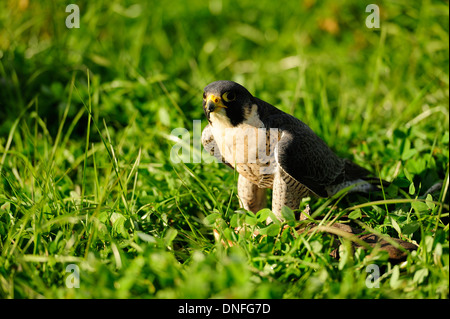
column 208, row 140
column 211, row 146
column 307, row 159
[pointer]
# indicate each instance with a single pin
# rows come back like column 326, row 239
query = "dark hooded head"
column 227, row 99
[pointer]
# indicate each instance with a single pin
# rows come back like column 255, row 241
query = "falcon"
column 272, row 149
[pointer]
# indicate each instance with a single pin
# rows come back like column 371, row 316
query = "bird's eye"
column 204, row 95
column 229, row 96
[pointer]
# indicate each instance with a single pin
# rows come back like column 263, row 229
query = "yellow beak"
column 214, row 103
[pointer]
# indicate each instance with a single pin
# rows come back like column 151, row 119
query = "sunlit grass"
column 86, row 175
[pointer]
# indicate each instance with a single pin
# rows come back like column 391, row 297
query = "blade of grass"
column 88, row 132
column 12, row 131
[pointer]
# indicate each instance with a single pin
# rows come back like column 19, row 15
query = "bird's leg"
column 286, row 192
column 251, row 197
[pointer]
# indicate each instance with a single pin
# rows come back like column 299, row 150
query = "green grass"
column 85, row 122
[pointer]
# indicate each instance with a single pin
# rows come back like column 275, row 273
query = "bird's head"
column 227, row 102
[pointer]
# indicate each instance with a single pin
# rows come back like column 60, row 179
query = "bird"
column 271, row 149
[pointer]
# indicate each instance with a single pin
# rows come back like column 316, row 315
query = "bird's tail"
column 359, row 178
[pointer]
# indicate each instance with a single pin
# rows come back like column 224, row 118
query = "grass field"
column 86, row 114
